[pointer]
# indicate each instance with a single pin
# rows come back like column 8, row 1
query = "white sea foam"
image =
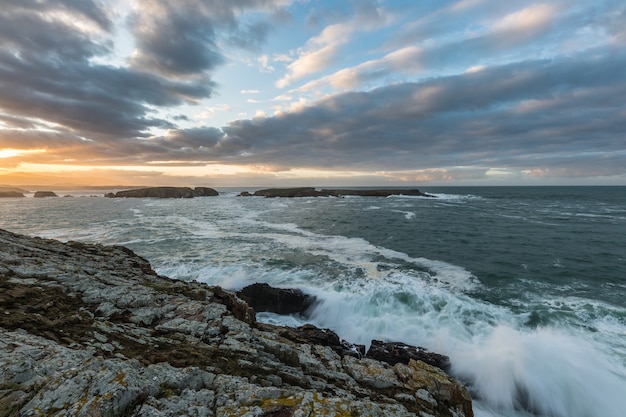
column 574, row 367
column 407, row 214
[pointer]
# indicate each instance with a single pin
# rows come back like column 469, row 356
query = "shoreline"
column 93, row 329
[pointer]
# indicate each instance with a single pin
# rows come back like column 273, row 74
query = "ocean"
column 523, row 287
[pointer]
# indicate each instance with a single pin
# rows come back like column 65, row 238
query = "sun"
column 12, row 153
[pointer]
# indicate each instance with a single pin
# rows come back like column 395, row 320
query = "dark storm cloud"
column 49, row 75
column 182, row 38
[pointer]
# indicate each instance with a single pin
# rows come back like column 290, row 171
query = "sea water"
column 523, row 287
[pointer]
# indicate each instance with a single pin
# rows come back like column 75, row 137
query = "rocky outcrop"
column 313, row 192
column 165, row 192
column 376, row 192
column 92, row 330
column 11, row 194
column 43, row 194
column 262, row 297
column 396, row 352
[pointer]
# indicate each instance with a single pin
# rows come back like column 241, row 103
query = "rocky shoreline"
column 92, row 330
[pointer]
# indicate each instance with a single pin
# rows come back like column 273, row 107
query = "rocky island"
column 313, row 192
column 92, row 330
column 165, row 192
column 11, row 194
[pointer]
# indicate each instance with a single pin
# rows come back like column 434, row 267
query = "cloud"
column 322, row 50
column 49, row 76
column 470, row 89
column 472, row 118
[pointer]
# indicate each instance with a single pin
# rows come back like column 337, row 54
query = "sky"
column 312, row 93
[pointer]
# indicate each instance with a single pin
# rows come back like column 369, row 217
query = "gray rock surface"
column 92, row 330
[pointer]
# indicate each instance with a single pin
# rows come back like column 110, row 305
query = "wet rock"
column 313, row 335
column 263, row 297
column 396, row 352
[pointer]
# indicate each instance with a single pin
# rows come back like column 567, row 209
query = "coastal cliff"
column 92, row 330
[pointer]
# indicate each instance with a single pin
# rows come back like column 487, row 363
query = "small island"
column 165, row 192
column 44, row 194
column 313, row 192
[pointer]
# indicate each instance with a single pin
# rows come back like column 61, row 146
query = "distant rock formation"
column 11, row 194
column 92, row 330
column 43, row 194
column 165, row 192
column 313, row 192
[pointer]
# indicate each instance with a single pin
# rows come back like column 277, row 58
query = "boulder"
column 164, row 192
column 43, row 194
column 396, row 352
column 263, row 297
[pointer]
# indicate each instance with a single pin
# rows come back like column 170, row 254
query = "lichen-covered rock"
column 92, row 330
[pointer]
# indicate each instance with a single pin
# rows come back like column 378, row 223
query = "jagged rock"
column 396, row 352
column 312, row 335
column 42, row 194
column 92, row 330
column 164, row 192
column 263, row 297
column 11, row 194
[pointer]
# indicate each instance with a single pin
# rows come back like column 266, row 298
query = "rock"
column 376, row 192
column 164, row 192
column 92, row 330
column 287, row 192
column 312, row 335
column 42, row 194
column 312, row 192
column 204, row 192
column 396, row 352
column 263, row 297
column 244, row 194
column 11, row 194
